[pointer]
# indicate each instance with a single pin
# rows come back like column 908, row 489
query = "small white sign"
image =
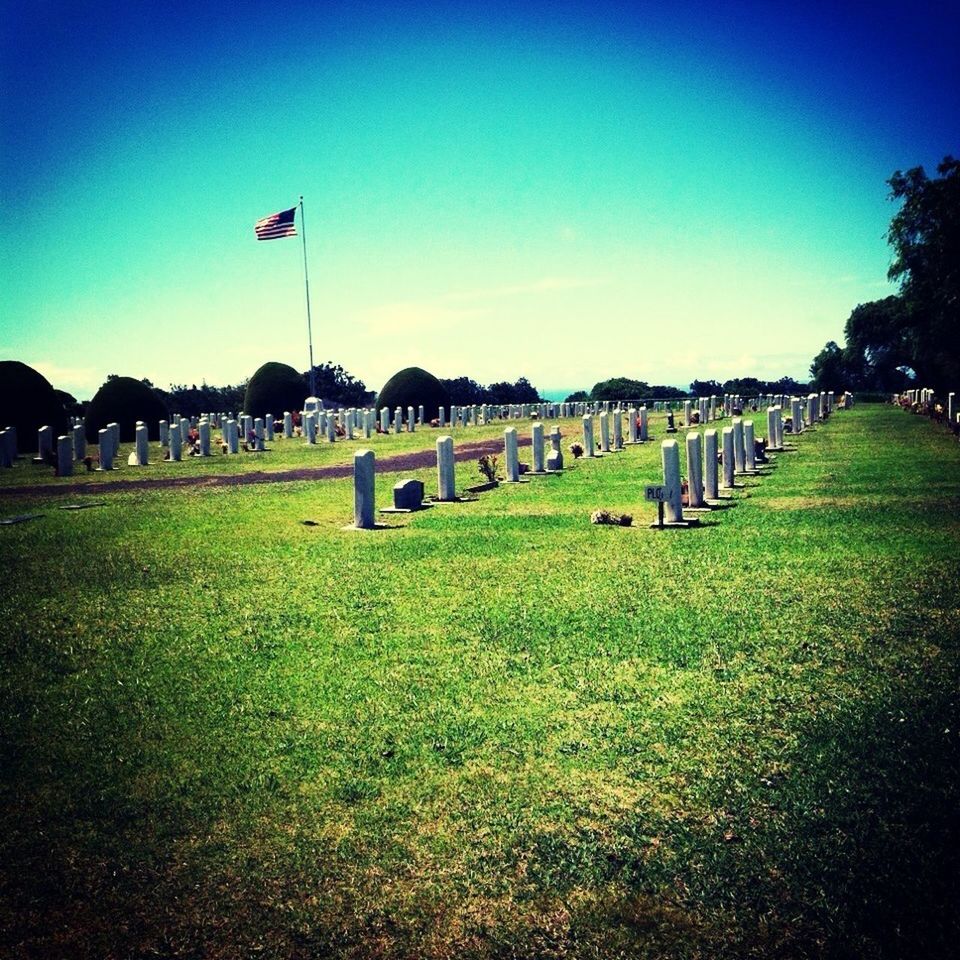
column 656, row 492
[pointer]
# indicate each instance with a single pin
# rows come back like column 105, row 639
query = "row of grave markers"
column 704, row 481
column 318, row 423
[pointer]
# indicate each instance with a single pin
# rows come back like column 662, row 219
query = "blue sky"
column 561, row 191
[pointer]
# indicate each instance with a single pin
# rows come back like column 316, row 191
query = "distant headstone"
column 537, row 437
column 142, row 444
column 739, row 448
column 44, row 442
column 728, row 461
column 749, row 446
column 446, row 477
column 694, row 469
column 65, row 456
column 510, row 450
column 588, row 445
column 231, row 436
column 710, row 489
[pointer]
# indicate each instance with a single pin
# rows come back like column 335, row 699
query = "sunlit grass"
column 493, row 729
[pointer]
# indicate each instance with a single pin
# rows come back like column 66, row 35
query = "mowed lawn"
column 493, row 729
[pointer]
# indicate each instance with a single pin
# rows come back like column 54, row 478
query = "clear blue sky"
column 560, row 191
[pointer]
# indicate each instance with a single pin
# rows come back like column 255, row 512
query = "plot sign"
column 655, row 492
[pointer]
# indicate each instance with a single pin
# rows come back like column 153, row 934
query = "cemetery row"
column 925, row 402
column 313, row 423
column 711, row 467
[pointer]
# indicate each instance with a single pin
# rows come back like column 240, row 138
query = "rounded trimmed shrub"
column 125, row 400
column 274, row 389
column 412, row 387
column 28, row 402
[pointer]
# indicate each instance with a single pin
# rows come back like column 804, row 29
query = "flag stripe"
column 276, row 225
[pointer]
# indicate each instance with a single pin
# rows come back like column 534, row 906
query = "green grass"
column 493, row 730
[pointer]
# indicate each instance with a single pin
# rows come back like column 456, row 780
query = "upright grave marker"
column 446, row 476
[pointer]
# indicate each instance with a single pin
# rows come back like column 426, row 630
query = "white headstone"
column 510, row 448
column 65, row 456
column 673, row 502
column 694, row 469
column 604, row 432
column 538, row 457
column 446, row 476
column 728, row 458
column 363, row 489
column 711, row 491
column 142, row 445
column 739, row 450
column 44, row 442
column 588, row 446
column 749, row 446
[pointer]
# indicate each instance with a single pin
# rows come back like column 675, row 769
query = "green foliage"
column 543, row 738
column 28, row 402
column 193, row 400
column 335, row 385
column 578, row 396
column 621, row 388
column 520, row 392
column 706, row 388
column 274, row 389
column 466, row 392
column 925, row 236
column 413, row 387
column 487, row 466
column 124, row 400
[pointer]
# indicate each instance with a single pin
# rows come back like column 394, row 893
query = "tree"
column 335, row 384
column 879, row 345
column 578, row 396
column 620, row 388
column 925, row 236
column 829, row 369
column 463, row 391
column 705, row 388
column 504, row 392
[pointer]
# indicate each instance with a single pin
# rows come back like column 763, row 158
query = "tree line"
column 913, row 336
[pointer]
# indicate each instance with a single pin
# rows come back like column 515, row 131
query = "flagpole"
column 306, row 282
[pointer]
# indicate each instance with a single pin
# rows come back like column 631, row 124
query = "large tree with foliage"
column 925, row 236
column 620, row 388
column 334, row 384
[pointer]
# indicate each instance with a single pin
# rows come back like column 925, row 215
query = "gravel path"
column 395, row 464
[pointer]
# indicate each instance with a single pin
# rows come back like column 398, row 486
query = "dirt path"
column 395, row 464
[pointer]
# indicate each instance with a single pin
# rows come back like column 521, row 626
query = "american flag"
column 276, row 225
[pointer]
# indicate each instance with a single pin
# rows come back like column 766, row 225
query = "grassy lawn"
column 493, row 729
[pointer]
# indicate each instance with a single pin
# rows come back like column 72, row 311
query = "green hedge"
column 274, row 389
column 28, row 402
column 124, row 400
column 414, row 387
